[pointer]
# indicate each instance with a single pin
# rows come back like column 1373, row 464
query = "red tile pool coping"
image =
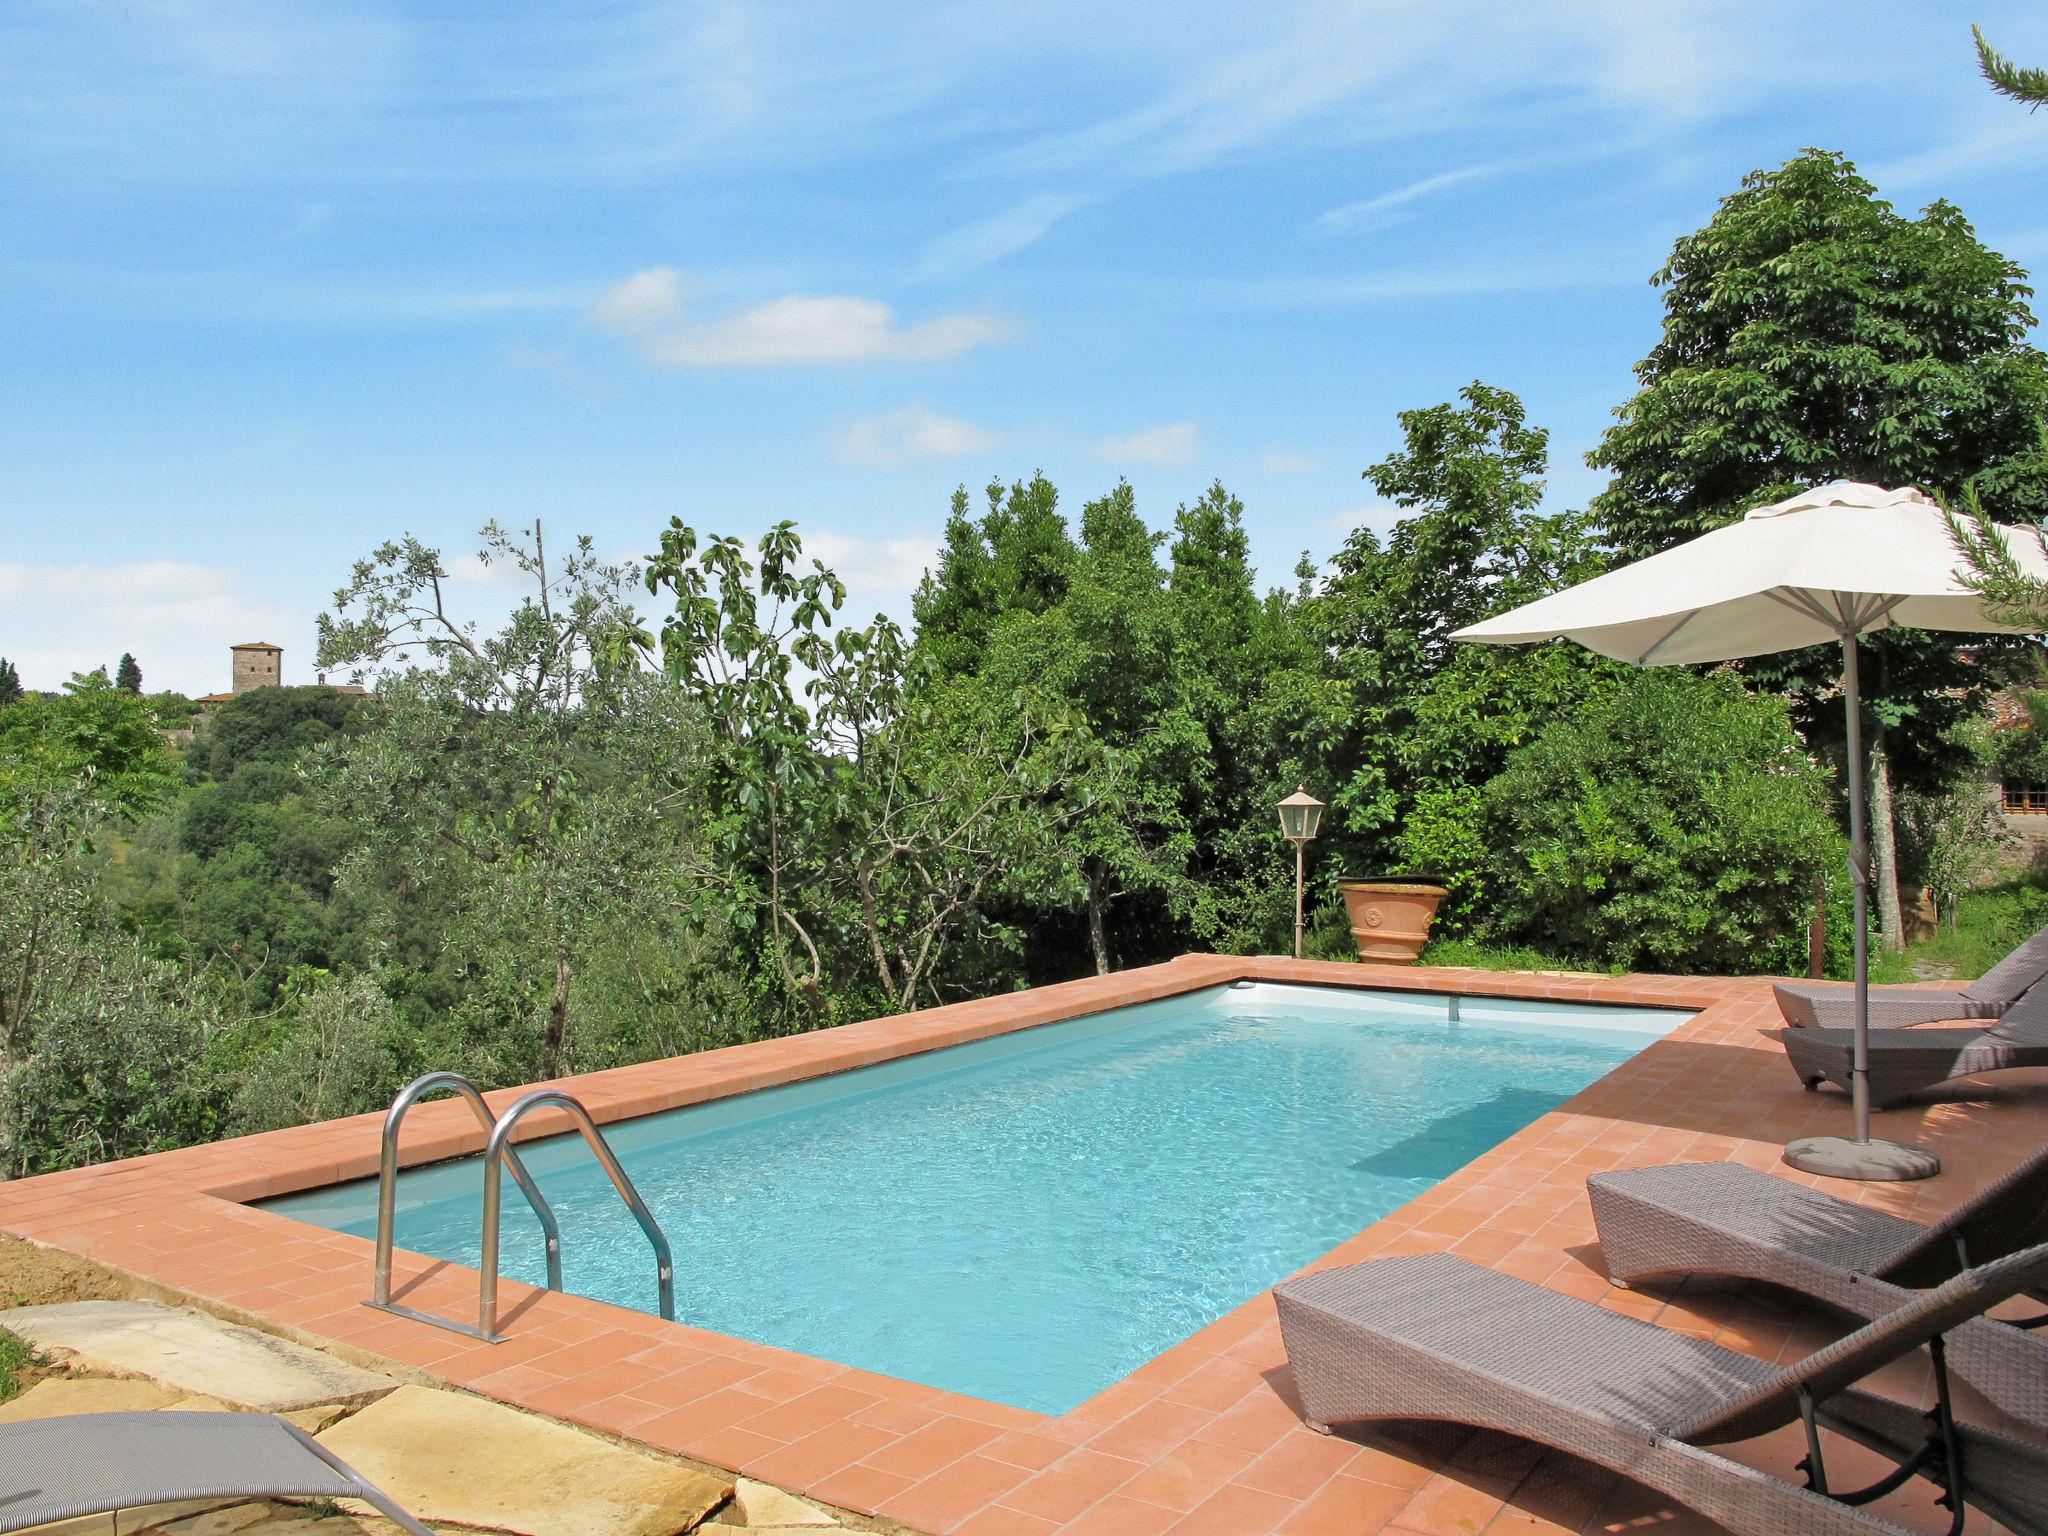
column 1204, row 1438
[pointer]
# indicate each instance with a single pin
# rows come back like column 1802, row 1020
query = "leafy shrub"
column 2021, row 752
column 1676, row 824
column 1445, row 834
column 15, row 1357
column 1955, row 842
column 115, row 1064
column 336, row 1058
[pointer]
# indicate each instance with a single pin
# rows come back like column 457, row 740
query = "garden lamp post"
column 1301, row 813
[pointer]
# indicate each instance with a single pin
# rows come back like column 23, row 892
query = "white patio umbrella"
column 1831, row 563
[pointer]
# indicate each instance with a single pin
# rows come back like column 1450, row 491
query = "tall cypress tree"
column 128, row 675
column 1018, row 555
column 10, row 683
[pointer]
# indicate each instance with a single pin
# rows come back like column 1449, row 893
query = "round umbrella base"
column 1837, row 1157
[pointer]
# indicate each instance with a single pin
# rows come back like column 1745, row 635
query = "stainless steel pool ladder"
column 498, row 1155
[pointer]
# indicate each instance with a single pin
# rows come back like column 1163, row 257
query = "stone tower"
column 257, row 665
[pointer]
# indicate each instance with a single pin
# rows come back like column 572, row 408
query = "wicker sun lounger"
column 1807, row 1006
column 1724, row 1219
column 1904, row 1061
column 1433, row 1337
column 98, row 1463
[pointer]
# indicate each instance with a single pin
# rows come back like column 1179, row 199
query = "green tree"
column 93, row 737
column 1240, row 684
column 1813, row 333
column 479, row 790
column 101, row 1047
column 1110, row 653
column 241, row 870
column 1017, row 556
column 10, row 683
column 1674, row 824
column 864, row 837
column 1430, row 720
column 339, row 1055
column 128, row 675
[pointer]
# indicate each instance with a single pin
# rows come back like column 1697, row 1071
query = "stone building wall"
column 256, row 666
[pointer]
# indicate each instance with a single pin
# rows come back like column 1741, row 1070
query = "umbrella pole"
column 1857, row 1156
column 1859, row 877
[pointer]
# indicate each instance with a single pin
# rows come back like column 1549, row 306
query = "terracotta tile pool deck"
column 1205, row 1438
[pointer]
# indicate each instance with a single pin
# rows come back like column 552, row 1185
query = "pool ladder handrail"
column 498, row 1154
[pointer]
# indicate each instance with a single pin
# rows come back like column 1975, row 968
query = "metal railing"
column 498, row 1155
column 499, row 1151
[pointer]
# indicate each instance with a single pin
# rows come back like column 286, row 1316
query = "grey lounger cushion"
column 1433, row 1337
column 1807, row 1005
column 94, row 1463
column 1724, row 1219
column 1904, row 1061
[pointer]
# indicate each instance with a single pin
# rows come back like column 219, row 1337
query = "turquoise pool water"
column 1029, row 1218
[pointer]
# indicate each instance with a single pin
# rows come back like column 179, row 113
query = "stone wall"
column 256, row 669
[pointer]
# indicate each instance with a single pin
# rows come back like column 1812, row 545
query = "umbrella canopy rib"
column 1667, row 637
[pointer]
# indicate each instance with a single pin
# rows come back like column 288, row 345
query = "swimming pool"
column 1030, row 1217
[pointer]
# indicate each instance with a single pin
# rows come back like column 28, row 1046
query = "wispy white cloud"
column 983, row 242
column 878, row 573
column 1674, row 61
column 908, row 434
column 647, row 311
column 1379, row 516
column 1172, row 444
column 1612, row 270
column 178, row 618
column 1240, row 98
column 1402, row 68
column 1280, row 461
column 1377, row 212
column 2012, row 138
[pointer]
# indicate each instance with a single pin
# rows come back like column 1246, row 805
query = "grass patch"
column 1990, row 924
column 1504, row 957
column 15, row 1358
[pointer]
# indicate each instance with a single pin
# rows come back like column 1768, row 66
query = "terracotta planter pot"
column 1390, row 918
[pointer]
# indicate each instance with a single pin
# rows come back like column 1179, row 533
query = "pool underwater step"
column 498, row 1155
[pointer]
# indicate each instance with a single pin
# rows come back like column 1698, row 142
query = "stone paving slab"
column 221, row 1522
column 129, row 1521
column 196, row 1354
column 258, row 1520
column 60, row 1397
column 763, row 1507
column 449, row 1456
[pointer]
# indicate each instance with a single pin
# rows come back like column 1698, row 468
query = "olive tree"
column 482, row 787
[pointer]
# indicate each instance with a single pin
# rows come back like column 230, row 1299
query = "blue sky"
column 281, row 280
